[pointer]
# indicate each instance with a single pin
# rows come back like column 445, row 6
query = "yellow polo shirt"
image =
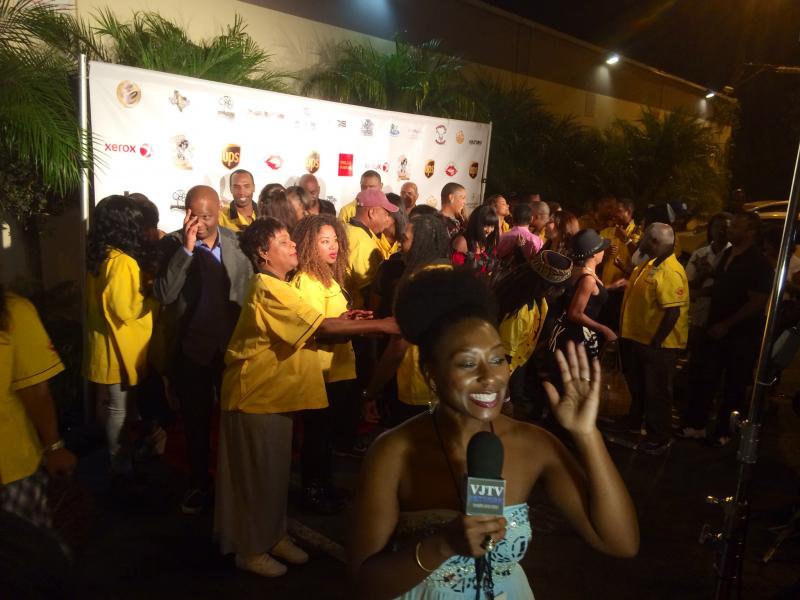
column 338, row 361
column 504, row 226
column 269, row 366
column 237, row 223
column 347, row 212
column 651, row 290
column 520, row 333
column 385, row 248
column 119, row 322
column 362, row 263
column 612, row 272
column 26, row 358
column 411, row 385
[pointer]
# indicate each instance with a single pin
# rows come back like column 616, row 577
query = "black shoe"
column 195, row 501
column 319, row 500
column 654, row 448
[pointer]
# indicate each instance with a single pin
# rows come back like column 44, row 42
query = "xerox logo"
column 143, row 150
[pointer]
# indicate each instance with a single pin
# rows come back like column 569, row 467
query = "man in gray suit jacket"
column 202, row 281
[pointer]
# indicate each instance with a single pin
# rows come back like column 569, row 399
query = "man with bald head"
column 310, row 184
column 409, row 194
column 654, row 327
column 202, row 281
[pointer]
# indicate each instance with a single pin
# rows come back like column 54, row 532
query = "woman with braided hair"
column 411, row 538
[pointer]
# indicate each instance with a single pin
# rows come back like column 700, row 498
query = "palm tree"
column 416, row 79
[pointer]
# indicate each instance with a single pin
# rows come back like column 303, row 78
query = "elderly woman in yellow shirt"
column 272, row 369
column 119, row 318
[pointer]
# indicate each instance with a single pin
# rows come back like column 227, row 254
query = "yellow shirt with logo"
column 269, row 365
column 651, row 290
column 348, row 211
column 119, row 322
column 362, row 263
column 338, row 361
column 237, row 223
column 520, row 332
column 612, row 272
column 26, row 358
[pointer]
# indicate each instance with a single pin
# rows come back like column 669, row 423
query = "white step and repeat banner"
column 161, row 134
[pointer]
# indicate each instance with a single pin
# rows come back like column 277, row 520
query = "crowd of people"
column 285, row 317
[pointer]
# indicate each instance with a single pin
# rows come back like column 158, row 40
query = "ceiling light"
column 710, row 94
column 612, row 59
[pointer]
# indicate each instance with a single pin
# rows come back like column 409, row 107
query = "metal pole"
column 486, row 165
column 85, row 199
column 732, row 538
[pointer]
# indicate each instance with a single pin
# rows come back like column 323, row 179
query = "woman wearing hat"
column 583, row 298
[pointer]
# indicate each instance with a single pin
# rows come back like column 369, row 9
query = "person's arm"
column 460, row 244
column 756, row 303
column 590, row 492
column 338, row 327
column 576, row 314
column 40, row 409
column 668, row 321
column 387, row 366
column 123, row 293
column 380, row 573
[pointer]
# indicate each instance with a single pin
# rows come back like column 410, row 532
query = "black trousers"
column 729, row 361
column 198, row 388
column 326, row 428
column 649, row 373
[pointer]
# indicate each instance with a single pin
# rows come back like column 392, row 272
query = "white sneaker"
column 261, row 564
column 287, row 550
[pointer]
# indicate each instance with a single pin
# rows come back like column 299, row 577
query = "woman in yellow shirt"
column 322, row 261
column 119, row 318
column 272, row 369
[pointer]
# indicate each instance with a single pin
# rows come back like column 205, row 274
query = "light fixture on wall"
column 612, row 59
column 710, row 94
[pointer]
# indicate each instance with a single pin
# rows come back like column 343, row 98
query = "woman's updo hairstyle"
column 431, row 301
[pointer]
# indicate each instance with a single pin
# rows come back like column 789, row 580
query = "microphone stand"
column 730, row 543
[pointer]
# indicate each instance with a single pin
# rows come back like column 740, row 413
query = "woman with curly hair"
column 272, row 369
column 476, row 248
column 278, row 205
column 411, row 538
column 321, row 263
column 119, row 317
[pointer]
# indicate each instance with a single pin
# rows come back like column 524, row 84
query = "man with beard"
column 321, row 206
column 409, row 193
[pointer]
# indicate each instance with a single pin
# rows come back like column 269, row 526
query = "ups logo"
column 230, row 155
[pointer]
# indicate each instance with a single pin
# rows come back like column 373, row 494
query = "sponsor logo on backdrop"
column 178, row 200
column 345, row 165
column 178, row 101
column 476, row 142
column 128, row 93
column 450, row 170
column 459, row 137
column 402, row 167
column 429, row 167
column 341, row 123
column 274, row 162
column 440, row 132
column 413, row 134
column 367, row 127
column 307, row 122
column 226, row 107
column 231, row 154
column 142, row 150
column 377, row 166
column 473, row 170
column 182, row 152
column 266, row 114
column 394, row 131
column 312, row 162
column 145, row 150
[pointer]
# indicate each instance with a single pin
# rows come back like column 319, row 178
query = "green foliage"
column 415, row 79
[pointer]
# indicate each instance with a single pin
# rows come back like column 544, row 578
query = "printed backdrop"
column 160, row 134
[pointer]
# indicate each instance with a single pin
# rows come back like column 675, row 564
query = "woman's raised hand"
column 576, row 408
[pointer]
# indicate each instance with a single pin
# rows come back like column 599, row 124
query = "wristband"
column 53, row 447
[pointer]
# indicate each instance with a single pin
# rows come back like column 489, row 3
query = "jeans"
column 115, row 413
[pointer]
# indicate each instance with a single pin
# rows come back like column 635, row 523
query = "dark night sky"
column 707, row 42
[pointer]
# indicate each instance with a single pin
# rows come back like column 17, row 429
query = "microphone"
column 485, row 486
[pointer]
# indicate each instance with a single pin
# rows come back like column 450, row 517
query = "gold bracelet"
column 419, row 562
